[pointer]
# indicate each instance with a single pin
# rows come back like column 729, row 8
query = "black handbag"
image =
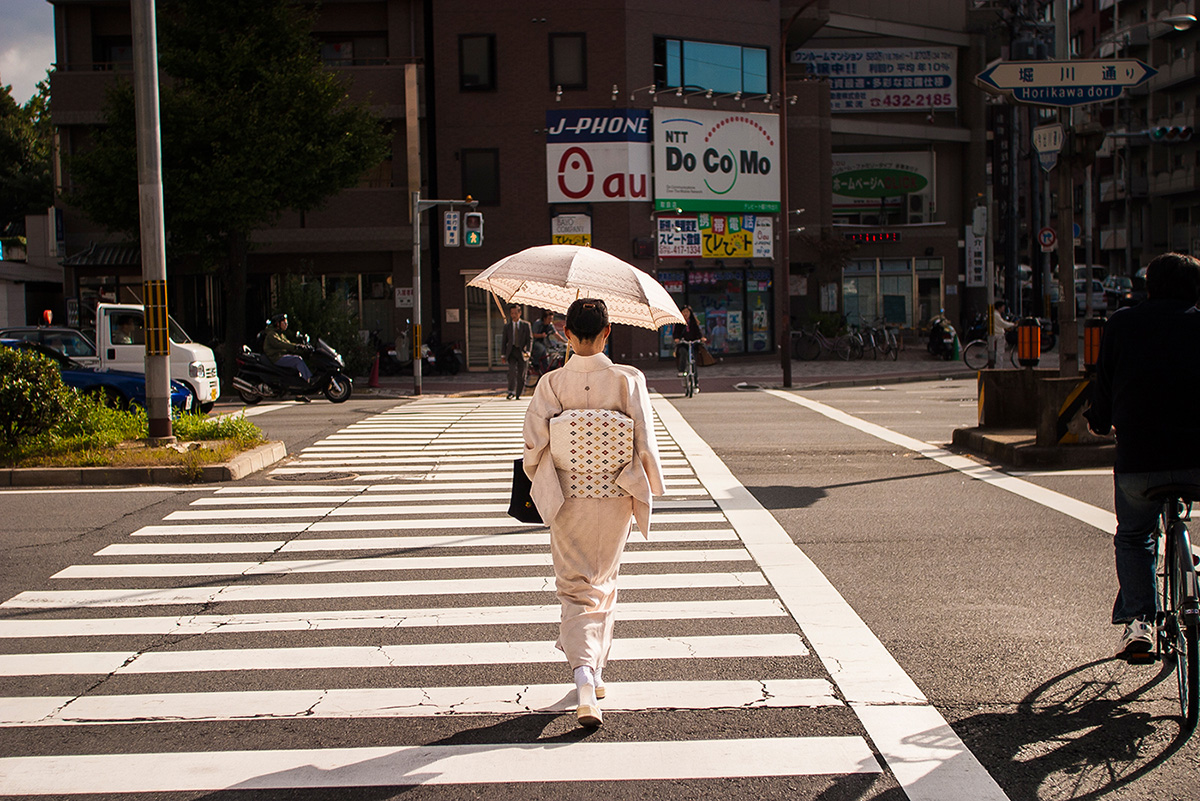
column 520, row 505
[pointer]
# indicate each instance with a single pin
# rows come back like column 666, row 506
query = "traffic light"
column 1170, row 134
column 473, row 229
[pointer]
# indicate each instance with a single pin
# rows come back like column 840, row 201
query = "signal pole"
column 419, row 206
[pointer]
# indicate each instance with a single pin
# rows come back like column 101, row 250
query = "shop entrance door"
column 485, row 329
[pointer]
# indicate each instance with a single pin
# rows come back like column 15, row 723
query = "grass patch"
column 94, row 435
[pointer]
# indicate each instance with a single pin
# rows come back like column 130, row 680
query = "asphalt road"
column 992, row 598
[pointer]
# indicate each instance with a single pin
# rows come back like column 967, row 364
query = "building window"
column 481, row 175
column 568, row 61
column 707, row 65
column 350, row 51
column 477, row 62
column 113, row 53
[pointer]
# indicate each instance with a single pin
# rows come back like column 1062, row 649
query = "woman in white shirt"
column 589, row 513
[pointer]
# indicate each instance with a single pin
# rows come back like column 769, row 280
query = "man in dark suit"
column 518, row 339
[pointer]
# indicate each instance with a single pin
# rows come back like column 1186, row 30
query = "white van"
column 121, row 345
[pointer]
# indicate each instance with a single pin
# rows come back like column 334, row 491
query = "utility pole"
column 153, row 235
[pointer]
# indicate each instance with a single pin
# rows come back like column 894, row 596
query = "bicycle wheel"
column 689, row 379
column 1183, row 624
column 871, row 343
column 695, row 380
column 841, row 346
column 892, row 346
column 975, row 355
column 857, row 348
column 806, row 347
column 1013, row 358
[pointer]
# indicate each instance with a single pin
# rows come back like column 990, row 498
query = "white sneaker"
column 1138, row 641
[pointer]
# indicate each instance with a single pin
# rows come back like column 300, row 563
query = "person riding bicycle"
column 685, row 332
column 1145, row 388
column 1001, row 325
column 545, row 337
column 282, row 351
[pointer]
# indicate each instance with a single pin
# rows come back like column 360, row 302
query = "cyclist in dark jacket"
column 1146, row 385
column 687, row 331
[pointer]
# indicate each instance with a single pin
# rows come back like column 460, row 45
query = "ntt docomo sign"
column 597, row 155
column 716, row 161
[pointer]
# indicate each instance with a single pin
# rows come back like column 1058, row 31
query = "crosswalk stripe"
column 68, row 599
column 376, row 619
column 375, row 506
column 425, row 524
column 392, row 656
column 388, row 766
column 405, row 702
column 375, row 563
column 541, row 538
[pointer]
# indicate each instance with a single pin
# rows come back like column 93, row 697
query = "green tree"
column 26, row 182
column 252, row 125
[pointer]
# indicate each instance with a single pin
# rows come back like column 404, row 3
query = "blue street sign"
column 1065, row 83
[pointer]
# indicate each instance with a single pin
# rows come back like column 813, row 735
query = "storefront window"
column 903, row 292
column 717, row 300
column 758, row 309
column 732, row 307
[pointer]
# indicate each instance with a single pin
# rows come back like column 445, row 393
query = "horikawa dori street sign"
column 1065, row 83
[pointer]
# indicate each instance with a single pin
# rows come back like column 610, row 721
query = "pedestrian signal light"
column 473, row 229
column 1170, row 134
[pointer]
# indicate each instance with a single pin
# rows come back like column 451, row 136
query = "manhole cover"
column 315, row 477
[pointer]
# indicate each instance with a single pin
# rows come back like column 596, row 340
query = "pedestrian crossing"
column 400, row 591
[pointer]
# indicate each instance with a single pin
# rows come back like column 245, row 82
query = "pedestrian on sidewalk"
column 592, row 457
column 1145, row 389
column 514, row 349
column 1001, row 325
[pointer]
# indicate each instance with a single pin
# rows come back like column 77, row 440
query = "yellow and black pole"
column 153, row 237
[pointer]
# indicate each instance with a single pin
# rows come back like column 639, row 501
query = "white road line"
column 541, row 538
column 408, row 702
column 1084, row 512
column 79, row 599
column 738, row 646
column 376, row 563
column 378, row 505
column 389, row 766
column 317, row 620
column 927, row 757
column 426, row 524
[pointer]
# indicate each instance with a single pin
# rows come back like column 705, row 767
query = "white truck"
column 120, row 345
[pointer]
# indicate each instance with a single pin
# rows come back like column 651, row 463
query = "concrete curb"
column 1018, row 448
column 240, row 466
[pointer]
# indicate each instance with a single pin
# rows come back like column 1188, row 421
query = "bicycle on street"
column 690, row 378
column 1178, row 621
column 975, row 354
column 809, row 343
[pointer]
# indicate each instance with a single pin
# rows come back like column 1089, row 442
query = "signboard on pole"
column 1066, row 83
column 451, row 222
column 1048, row 142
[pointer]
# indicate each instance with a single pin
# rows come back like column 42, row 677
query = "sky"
column 26, row 45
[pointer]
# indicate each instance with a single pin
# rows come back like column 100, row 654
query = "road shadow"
column 1080, row 735
column 776, row 497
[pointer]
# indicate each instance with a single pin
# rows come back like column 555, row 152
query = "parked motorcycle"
column 257, row 377
column 942, row 338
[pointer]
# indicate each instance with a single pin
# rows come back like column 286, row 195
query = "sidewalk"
column 913, row 364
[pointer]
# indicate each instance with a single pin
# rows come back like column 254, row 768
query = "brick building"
column 491, row 100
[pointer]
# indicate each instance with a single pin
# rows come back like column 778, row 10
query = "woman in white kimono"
column 589, row 513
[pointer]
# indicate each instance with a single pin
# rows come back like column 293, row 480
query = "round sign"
column 1047, row 238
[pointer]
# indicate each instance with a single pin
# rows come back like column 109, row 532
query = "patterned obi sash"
column 590, row 448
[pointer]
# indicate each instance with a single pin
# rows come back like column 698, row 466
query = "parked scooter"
column 942, row 338
column 258, row 378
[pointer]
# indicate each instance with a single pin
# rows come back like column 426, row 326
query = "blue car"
column 119, row 389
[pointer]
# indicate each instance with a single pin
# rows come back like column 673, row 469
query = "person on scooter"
column 282, row 351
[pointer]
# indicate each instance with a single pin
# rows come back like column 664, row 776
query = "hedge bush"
column 33, row 398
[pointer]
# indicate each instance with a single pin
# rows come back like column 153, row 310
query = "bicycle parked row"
column 878, row 340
